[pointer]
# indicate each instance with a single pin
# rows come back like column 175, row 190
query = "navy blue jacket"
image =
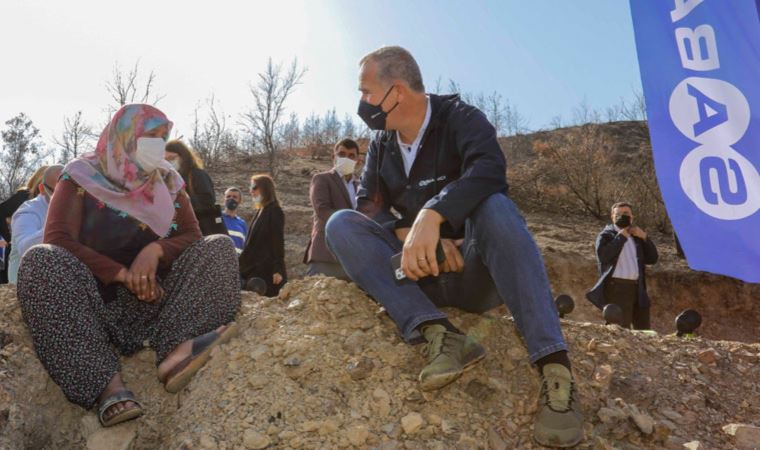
column 609, row 244
column 458, row 165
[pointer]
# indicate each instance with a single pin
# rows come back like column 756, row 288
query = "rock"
column 412, row 422
column 644, row 422
column 611, row 415
column 254, row 440
column 708, row 356
column 495, row 441
column 745, row 436
column 327, row 426
column 693, row 445
column 90, row 425
column 118, row 437
column 361, row 369
column 357, row 434
column 207, row 442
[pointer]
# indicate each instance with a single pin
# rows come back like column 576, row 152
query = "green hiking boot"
column 558, row 422
column 449, row 354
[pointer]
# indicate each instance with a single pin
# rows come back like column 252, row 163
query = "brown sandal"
column 181, row 374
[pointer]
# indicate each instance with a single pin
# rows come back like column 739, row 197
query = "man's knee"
column 341, row 224
column 495, row 212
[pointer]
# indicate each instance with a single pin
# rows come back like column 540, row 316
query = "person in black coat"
column 198, row 185
column 264, row 253
column 623, row 251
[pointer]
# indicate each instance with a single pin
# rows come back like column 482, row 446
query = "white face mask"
column 257, row 199
column 150, row 152
column 176, row 163
column 345, row 166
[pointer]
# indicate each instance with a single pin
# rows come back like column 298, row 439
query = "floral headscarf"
column 112, row 175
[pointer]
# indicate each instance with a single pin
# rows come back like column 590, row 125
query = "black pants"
column 625, row 294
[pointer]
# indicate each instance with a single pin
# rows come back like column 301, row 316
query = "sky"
column 545, row 56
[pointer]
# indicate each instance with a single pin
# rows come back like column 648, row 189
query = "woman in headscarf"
column 123, row 263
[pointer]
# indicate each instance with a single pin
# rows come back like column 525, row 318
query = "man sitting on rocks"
column 236, row 227
column 329, row 192
column 436, row 161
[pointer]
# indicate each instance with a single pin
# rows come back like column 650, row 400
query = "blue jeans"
column 502, row 264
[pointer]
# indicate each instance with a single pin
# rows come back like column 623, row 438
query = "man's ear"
column 41, row 189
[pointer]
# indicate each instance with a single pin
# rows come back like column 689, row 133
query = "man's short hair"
column 233, row 189
column 396, row 63
column 620, row 205
column 348, row 144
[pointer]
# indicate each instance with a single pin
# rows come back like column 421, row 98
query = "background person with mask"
column 264, row 253
column 236, row 227
column 28, row 223
column 622, row 251
column 329, row 192
column 198, row 185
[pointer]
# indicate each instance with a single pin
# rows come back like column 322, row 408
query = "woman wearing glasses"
column 264, row 253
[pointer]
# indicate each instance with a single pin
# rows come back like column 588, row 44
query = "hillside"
column 322, row 366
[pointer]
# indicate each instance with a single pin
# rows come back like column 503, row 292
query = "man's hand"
column 418, row 258
column 638, row 232
column 454, row 261
column 141, row 277
column 625, row 232
column 402, row 233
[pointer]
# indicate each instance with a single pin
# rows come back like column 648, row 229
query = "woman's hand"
column 141, row 277
column 276, row 279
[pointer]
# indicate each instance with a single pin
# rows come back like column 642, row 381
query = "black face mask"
column 623, row 220
column 231, row 204
column 373, row 115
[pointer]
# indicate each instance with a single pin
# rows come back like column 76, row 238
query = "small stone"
column 495, row 441
column 434, row 419
column 708, row 356
column 693, row 445
column 610, row 415
column 644, row 422
column 361, row 369
column 327, row 426
column 449, row 427
column 207, row 442
column 115, row 438
column 745, row 436
column 357, row 434
column 412, row 422
column 255, row 440
column 258, row 381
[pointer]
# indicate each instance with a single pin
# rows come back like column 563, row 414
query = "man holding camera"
column 622, row 251
column 436, row 161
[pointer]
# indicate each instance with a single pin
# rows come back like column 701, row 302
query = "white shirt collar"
column 420, row 133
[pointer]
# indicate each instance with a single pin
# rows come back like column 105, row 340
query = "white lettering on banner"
column 683, row 8
column 708, row 111
column 721, row 182
column 715, row 114
column 690, row 48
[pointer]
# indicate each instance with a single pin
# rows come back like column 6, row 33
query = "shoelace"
column 548, row 400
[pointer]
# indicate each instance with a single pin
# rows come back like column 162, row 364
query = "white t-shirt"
column 627, row 266
column 409, row 151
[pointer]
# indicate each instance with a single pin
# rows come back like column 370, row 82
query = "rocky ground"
column 322, row 367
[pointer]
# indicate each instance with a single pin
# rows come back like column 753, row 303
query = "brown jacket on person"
column 328, row 194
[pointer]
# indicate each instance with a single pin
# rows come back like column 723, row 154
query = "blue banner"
column 700, row 69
